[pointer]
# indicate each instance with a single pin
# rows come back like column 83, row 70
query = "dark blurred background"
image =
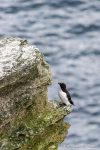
column 68, row 33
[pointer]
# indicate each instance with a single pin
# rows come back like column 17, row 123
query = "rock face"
column 25, row 112
column 22, row 71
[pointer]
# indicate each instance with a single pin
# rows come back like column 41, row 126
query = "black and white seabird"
column 64, row 95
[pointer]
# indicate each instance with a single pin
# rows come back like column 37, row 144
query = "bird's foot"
column 62, row 104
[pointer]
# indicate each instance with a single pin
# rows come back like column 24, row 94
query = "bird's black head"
column 63, row 86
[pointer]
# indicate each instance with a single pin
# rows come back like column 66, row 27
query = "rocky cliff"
column 28, row 121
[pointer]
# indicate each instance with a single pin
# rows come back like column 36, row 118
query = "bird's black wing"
column 69, row 98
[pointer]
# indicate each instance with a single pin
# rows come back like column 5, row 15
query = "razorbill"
column 64, row 95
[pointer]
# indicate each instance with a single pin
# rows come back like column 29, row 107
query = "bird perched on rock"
column 64, row 95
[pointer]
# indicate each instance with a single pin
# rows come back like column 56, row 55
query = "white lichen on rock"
column 14, row 53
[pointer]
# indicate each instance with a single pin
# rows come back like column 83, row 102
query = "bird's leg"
column 62, row 104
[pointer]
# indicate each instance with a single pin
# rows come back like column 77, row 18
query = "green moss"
column 31, row 130
column 49, row 139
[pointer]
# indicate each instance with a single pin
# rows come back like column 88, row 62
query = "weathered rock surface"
column 22, row 71
column 27, row 119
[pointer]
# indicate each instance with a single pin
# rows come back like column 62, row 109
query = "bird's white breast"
column 63, row 97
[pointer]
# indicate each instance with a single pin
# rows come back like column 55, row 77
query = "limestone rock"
column 26, row 115
column 22, row 71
